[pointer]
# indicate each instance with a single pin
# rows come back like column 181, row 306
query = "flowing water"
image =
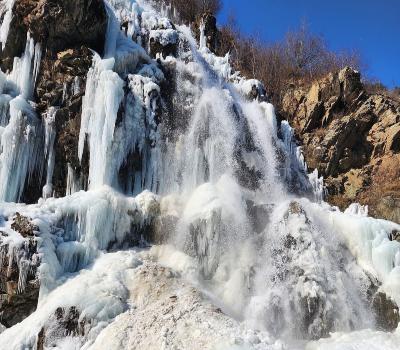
column 263, row 245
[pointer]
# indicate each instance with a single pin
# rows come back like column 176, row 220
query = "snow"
column 164, row 36
column 365, row 339
column 169, row 313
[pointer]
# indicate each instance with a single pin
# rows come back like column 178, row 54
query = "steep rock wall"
column 352, row 138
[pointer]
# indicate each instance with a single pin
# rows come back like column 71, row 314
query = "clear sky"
column 370, row 26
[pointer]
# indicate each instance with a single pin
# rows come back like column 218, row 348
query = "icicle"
column 104, row 93
column 19, row 149
column 357, row 209
column 23, row 74
column 203, row 39
column 49, row 137
column 76, row 86
column 5, row 25
column 73, row 183
column 317, row 184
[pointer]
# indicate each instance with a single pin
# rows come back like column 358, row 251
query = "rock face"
column 386, row 312
column 56, row 24
column 352, row 138
column 66, row 30
column 61, row 86
column 208, row 23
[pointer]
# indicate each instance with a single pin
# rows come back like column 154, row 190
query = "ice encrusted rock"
column 19, row 260
column 170, row 313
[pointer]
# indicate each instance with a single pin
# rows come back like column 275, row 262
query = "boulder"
column 386, row 312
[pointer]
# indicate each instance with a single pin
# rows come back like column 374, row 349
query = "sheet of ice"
column 368, row 239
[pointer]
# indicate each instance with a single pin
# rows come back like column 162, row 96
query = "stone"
column 393, row 138
column 386, row 312
column 23, row 225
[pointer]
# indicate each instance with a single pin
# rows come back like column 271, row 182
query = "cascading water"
column 249, row 227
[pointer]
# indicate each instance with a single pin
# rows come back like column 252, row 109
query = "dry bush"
column 299, row 59
column 374, row 86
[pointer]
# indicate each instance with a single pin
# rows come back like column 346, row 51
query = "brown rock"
column 24, row 226
column 386, row 312
column 352, row 138
column 57, row 25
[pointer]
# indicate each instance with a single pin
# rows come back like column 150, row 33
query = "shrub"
column 300, row 58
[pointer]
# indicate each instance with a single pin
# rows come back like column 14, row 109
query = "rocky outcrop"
column 386, row 312
column 67, row 31
column 208, row 23
column 352, row 138
column 66, row 322
column 61, row 84
column 19, row 286
column 56, row 24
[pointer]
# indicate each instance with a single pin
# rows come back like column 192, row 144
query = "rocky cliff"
column 352, row 138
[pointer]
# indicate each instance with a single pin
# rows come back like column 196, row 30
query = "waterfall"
column 247, row 224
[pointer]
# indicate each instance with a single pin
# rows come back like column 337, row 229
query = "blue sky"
column 370, row 26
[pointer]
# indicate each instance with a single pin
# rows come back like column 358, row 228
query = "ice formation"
column 250, row 228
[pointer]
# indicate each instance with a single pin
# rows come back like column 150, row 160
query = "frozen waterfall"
column 212, row 174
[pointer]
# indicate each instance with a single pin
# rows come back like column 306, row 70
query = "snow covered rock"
column 206, row 28
column 163, row 42
column 170, row 313
column 253, row 89
column 19, row 260
column 303, row 291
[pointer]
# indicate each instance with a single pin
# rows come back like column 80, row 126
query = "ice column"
column 104, row 93
column 49, row 137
